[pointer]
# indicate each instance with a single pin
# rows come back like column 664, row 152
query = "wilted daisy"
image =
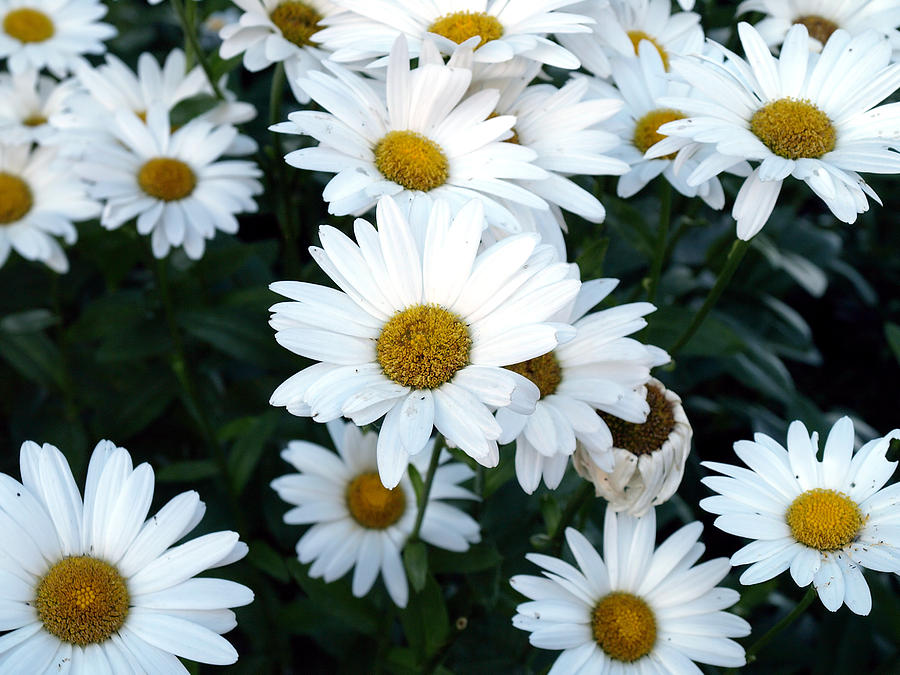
column 51, row 34
column 421, row 330
column 113, row 86
column 811, row 118
column 822, row 520
column 170, row 181
column 426, row 140
column 599, row 368
column 506, row 29
column 621, row 25
column 641, row 83
column 648, row 458
column 636, row 609
column 39, row 200
column 93, row 586
column 823, row 17
column 356, row 521
column 27, row 102
column 275, row 31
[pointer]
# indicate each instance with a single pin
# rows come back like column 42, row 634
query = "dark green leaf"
column 34, row 355
column 892, row 333
column 29, row 321
column 268, row 560
column 337, row 600
column 186, row 110
column 425, row 620
column 187, row 472
column 415, row 560
column 248, row 448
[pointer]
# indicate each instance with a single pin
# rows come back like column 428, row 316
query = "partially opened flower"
column 800, row 115
column 621, row 26
column 423, row 141
column 52, row 34
column 39, row 200
column 278, row 31
column 171, row 182
column 648, row 457
column 634, row 610
column 420, row 330
column 506, row 29
column 600, row 368
column 356, row 521
column 28, row 101
column 823, row 17
column 93, row 586
column 823, row 520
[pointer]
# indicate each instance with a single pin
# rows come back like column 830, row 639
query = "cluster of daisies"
column 457, row 326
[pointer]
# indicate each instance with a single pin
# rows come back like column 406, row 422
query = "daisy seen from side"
column 648, row 457
column 174, row 183
column 636, row 609
column 823, row 17
column 278, row 31
column 824, row 520
column 420, row 330
column 417, row 138
column 599, row 368
column 369, row 28
column 52, row 34
column 39, row 200
column 94, row 586
column 28, row 102
column 356, row 522
column 814, row 118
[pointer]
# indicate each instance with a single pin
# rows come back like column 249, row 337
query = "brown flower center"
column 642, row 439
column 412, row 160
column 624, row 626
column 167, row 179
column 16, row 199
column 818, row 27
column 297, row 22
column 372, row 505
column 646, row 131
column 794, row 129
column 460, row 26
column 826, row 520
column 636, row 36
column 543, row 370
column 28, row 25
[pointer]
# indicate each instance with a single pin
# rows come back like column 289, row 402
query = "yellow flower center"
column 372, row 505
column 643, row 439
column 460, row 26
column 82, row 600
column 818, row 27
column 624, row 626
column 794, row 129
column 167, row 179
column 423, row 346
column 15, row 198
column 826, row 520
column 543, row 370
column 412, row 160
column 34, row 120
column 646, row 131
column 297, row 21
column 636, row 36
column 28, row 25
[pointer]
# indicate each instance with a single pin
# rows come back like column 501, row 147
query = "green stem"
column 72, row 411
column 662, row 236
column 579, row 498
column 426, row 489
column 192, row 45
column 190, row 396
column 738, row 250
column 781, row 625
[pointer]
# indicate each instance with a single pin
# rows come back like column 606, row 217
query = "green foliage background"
column 809, row 329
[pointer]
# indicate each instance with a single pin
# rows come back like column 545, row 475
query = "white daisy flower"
column 813, row 118
column 113, row 86
column 92, row 586
column 506, row 29
column 425, row 140
column 822, row 520
column 356, row 521
column 648, row 457
column 636, row 609
column 421, row 331
column 599, row 368
column 621, row 25
column 641, row 83
column 39, row 200
column 171, row 182
column 51, row 34
column 823, row 17
column 276, row 31
column 28, row 101
column 562, row 129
